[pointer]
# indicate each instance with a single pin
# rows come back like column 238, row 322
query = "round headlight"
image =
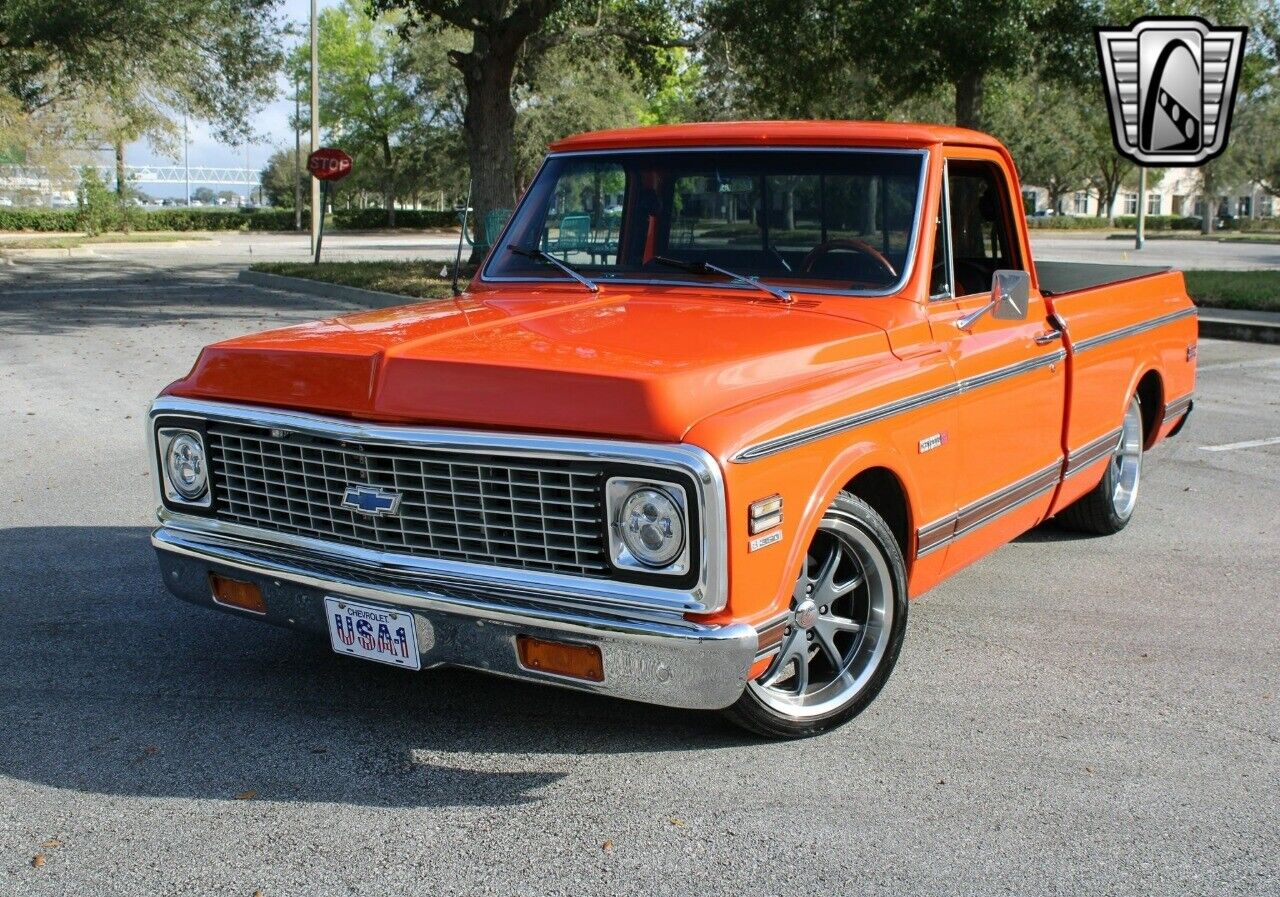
column 652, row 526
column 184, row 462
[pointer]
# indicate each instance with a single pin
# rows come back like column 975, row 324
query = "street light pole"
column 1140, row 235
column 315, row 122
column 186, row 162
column 297, row 152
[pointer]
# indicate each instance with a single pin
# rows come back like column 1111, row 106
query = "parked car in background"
column 701, row 456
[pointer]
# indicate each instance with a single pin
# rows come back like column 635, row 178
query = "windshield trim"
column 908, row 267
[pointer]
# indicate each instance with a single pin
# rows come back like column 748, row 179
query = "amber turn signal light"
column 577, row 661
column 234, row 593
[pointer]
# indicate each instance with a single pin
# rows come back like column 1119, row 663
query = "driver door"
column 1012, row 375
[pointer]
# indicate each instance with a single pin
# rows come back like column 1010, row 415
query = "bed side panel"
column 1116, row 333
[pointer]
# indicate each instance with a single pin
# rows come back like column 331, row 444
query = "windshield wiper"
column 707, row 268
column 541, row 255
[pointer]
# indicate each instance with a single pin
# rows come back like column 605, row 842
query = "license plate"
column 371, row 632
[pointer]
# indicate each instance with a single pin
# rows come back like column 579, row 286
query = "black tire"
column 870, row 543
column 1099, row 511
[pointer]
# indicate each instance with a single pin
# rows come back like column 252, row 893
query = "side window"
column 940, row 272
column 982, row 236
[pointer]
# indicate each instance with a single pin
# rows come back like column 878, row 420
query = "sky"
column 272, row 123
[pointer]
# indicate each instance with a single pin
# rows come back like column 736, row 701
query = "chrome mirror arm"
column 966, row 323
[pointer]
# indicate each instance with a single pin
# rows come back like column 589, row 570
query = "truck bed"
column 1057, row 278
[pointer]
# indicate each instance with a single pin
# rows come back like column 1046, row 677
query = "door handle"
column 1043, row 339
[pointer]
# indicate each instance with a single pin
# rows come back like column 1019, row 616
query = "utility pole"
column 297, row 156
column 1140, row 235
column 316, row 212
column 186, row 162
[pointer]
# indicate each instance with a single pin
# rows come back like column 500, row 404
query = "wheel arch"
column 879, row 477
column 882, row 489
column 1150, row 393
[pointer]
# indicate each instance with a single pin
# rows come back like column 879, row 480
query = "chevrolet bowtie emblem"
column 371, row 500
column 1171, row 84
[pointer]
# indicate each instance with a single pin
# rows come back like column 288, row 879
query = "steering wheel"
column 856, row 245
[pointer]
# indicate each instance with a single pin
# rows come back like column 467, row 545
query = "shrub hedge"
column 375, row 219
column 1160, row 222
column 1068, row 222
column 1122, row 222
column 65, row 220
column 44, row 220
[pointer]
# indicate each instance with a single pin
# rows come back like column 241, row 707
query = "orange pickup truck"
column 720, row 400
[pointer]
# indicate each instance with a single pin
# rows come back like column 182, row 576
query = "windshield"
column 828, row 220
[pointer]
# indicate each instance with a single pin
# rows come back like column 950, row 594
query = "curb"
column 13, row 254
column 1240, row 329
column 327, row 290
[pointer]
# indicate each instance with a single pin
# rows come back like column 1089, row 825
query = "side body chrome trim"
column 770, row 633
column 939, row 533
column 1175, row 408
column 710, row 594
column 892, row 409
column 1091, row 453
column 1093, row 342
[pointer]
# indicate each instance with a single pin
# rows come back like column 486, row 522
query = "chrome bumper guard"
column 659, row 659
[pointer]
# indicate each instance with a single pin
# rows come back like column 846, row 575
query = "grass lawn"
column 1256, row 290
column 71, row 241
column 420, row 280
column 1252, row 290
column 1217, row 236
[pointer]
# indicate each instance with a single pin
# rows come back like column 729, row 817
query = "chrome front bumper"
column 659, row 659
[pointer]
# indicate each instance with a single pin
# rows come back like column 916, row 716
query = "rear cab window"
column 982, row 237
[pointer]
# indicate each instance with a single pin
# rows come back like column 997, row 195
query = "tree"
column 894, row 53
column 366, row 98
column 204, row 195
column 282, row 176
column 111, row 71
column 566, row 91
column 1041, row 122
column 501, row 32
column 216, row 58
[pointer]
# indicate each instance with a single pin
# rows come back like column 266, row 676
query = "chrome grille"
column 509, row 511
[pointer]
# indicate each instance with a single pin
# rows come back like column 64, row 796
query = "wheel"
column 841, row 641
column 1108, row 507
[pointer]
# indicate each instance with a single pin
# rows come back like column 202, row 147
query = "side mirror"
column 1010, row 296
column 1010, row 293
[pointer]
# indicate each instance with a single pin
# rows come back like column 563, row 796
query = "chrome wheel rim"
column 1126, row 463
column 838, row 628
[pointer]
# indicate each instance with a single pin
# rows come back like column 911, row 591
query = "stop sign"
column 329, row 164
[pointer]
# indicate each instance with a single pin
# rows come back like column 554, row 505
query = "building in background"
column 1177, row 193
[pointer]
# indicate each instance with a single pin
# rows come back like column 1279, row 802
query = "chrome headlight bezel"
column 618, row 490
column 166, row 438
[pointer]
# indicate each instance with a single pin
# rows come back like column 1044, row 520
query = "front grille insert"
column 508, row 511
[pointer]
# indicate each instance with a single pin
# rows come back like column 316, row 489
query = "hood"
column 636, row 364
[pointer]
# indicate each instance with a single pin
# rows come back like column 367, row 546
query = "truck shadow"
column 1053, row 531
column 113, row 686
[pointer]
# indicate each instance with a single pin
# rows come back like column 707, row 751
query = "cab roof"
column 778, row 133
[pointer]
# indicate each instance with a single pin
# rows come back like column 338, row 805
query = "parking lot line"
column 1250, row 443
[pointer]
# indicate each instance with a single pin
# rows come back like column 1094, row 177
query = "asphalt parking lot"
column 1070, row 716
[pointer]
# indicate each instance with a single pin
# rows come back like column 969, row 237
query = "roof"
column 778, row 133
